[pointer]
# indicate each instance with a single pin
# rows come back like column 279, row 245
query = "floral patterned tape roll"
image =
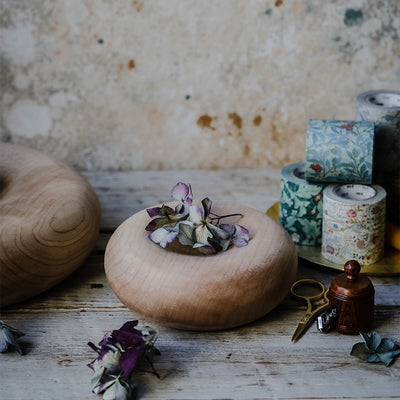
column 383, row 108
column 300, row 206
column 353, row 223
column 339, row 151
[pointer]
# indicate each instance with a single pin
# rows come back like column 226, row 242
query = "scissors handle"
column 310, row 314
column 308, row 282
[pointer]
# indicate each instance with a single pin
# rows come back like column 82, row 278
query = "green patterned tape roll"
column 300, row 206
column 382, row 107
column 353, row 223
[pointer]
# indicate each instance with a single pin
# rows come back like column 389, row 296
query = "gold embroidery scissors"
column 311, row 313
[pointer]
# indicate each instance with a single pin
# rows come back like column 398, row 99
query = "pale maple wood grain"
column 49, row 222
column 201, row 292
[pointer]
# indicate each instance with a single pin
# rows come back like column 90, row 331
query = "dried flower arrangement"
column 194, row 225
column 120, row 352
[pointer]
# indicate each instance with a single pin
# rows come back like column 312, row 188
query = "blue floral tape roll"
column 353, row 223
column 339, row 151
column 300, row 206
column 382, row 107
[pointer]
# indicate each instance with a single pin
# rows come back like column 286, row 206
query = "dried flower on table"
column 8, row 338
column 118, row 355
column 373, row 348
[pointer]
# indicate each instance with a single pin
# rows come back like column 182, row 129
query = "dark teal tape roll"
column 300, row 206
column 382, row 107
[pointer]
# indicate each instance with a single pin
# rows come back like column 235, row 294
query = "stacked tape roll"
column 353, row 223
column 339, row 151
column 300, row 206
column 382, row 107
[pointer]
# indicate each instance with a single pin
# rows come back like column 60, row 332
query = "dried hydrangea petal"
column 180, row 191
column 154, row 212
column 195, row 215
column 186, row 234
column 241, row 236
column 119, row 390
column 130, row 357
column 8, row 338
column 204, row 248
column 371, row 341
column 375, row 349
column 206, row 203
column 163, row 236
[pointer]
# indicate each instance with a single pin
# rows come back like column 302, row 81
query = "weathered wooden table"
column 256, row 361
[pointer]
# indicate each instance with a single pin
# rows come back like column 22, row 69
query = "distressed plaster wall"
column 187, row 84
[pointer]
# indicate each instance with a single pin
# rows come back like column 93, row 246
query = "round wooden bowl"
column 49, row 222
column 199, row 292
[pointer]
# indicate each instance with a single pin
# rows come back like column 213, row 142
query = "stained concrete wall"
column 160, row 84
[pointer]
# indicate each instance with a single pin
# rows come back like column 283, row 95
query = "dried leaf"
column 375, row 349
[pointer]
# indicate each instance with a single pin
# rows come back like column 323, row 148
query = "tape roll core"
column 384, row 100
column 299, row 172
column 355, row 192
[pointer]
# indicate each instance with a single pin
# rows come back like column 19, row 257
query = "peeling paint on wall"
column 353, row 17
column 114, row 85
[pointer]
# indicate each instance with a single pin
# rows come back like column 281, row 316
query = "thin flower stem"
column 219, row 217
column 152, row 367
column 94, row 347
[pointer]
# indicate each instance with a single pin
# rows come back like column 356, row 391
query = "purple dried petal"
column 154, row 212
column 189, row 200
column 105, row 339
column 130, row 327
column 180, row 191
column 127, row 339
column 129, row 359
column 228, row 228
column 240, row 242
column 91, row 364
column 241, row 236
column 156, row 223
column 241, row 231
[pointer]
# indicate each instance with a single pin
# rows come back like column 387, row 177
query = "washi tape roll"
column 339, row 151
column 382, row 107
column 300, row 206
column 353, row 223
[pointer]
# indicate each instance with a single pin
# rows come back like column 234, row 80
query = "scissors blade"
column 307, row 320
column 299, row 331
